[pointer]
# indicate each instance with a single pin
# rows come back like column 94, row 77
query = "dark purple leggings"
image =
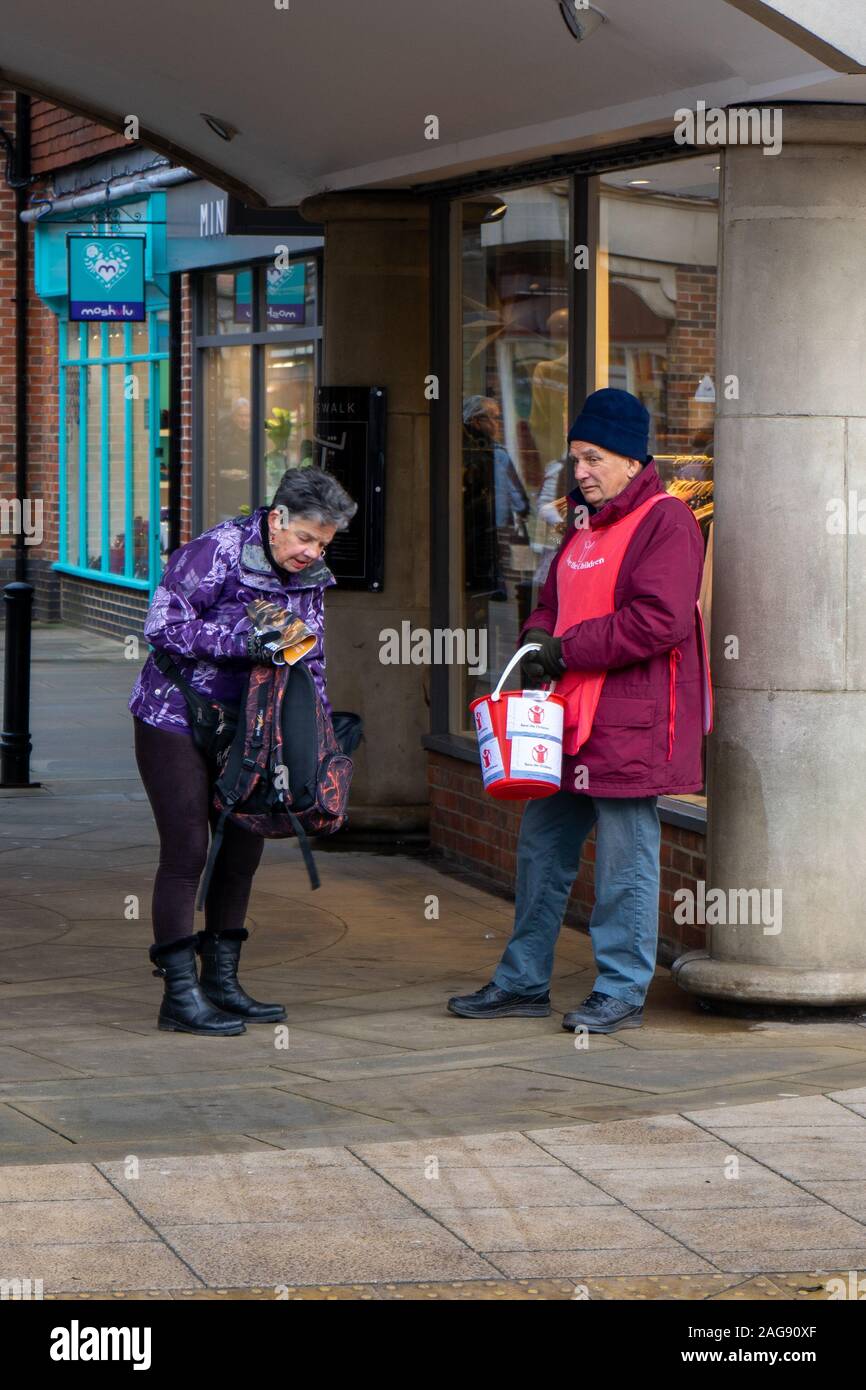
column 175, row 777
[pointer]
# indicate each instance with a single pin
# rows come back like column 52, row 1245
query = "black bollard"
column 15, row 742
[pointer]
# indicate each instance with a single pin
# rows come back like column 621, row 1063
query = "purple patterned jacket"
column 198, row 615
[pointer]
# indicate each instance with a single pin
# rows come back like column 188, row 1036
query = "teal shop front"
column 106, row 278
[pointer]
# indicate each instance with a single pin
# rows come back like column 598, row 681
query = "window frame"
column 103, row 362
column 582, row 172
column 257, row 339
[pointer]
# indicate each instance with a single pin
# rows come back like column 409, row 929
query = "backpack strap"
column 215, row 844
column 200, row 708
column 306, row 851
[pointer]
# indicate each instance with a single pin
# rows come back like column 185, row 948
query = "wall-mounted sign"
column 350, row 443
column 106, row 278
column 286, row 291
column 203, row 229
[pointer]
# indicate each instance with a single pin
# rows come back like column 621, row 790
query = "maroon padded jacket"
column 647, row 736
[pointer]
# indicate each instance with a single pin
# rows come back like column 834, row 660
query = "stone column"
column 376, row 333
column 787, row 774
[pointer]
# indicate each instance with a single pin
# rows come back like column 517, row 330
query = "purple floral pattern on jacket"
column 198, row 616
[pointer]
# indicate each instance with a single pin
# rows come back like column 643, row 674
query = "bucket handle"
column 518, row 656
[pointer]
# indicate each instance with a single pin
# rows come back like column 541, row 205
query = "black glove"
column 262, row 647
column 545, row 664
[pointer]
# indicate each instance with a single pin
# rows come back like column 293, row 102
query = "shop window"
column 227, row 416
column 652, row 332
column 257, row 349
column 513, row 415
column 227, row 301
column 114, row 405
column 290, row 379
column 656, row 322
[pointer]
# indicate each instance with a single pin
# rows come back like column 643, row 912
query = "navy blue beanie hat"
column 615, row 420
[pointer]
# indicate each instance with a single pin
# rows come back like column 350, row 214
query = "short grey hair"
column 473, row 406
column 316, row 495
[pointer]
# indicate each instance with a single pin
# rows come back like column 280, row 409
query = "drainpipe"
column 21, row 176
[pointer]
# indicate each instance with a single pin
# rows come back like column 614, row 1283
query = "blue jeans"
column 624, row 922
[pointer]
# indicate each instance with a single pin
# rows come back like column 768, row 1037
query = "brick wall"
column 477, row 833
column 58, row 138
column 691, row 355
column 106, row 608
column 186, row 411
column 7, row 333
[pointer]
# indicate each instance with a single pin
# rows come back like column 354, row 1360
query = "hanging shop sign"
column 286, row 291
column 349, row 443
column 106, row 278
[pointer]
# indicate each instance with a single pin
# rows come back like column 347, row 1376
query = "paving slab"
column 132, row 1054
column 406, row 1062
column 794, row 1110
column 580, row 1265
column 51, row 1182
column 18, row 1065
column 838, row 1158
column 280, row 1253
column 98, row 1266
column 497, row 1150
column 47, row 1222
column 238, row 1192
column 766, row 1228
column 142, row 1115
column 548, row 1185
column 674, row 1070
column 848, row 1195
column 701, row 1188
column 464, row 1093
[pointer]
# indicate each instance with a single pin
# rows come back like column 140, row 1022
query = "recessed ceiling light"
column 581, row 20
column 220, row 128
column 495, row 213
column 637, row 183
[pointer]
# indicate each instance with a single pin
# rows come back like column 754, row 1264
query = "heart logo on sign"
column 107, row 264
column 277, row 276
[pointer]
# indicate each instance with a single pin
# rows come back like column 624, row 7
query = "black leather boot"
column 185, row 1007
column 220, row 953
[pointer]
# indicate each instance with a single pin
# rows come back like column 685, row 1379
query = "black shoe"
column 220, row 953
column 493, row 1002
column 601, row 1013
column 185, row 1008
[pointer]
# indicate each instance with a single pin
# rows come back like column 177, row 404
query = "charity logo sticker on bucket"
column 530, row 715
column 492, row 767
column 483, row 724
column 539, row 758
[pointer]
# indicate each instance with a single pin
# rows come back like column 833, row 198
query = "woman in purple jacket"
column 198, row 616
column 645, row 737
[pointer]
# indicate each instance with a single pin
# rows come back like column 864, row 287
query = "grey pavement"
column 375, row 1144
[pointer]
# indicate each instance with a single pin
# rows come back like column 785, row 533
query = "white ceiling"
column 333, row 94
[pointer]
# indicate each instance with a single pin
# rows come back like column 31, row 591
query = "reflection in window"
column 290, row 377
column 227, row 301
column 227, row 432
column 514, row 410
column 656, row 321
column 291, row 294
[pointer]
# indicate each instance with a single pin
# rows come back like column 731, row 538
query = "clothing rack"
column 697, row 493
